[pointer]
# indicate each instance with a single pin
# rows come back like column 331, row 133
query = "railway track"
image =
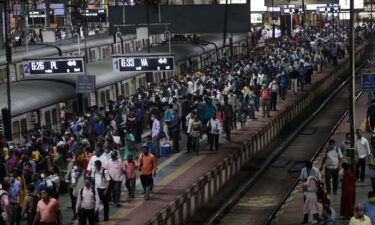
column 269, row 178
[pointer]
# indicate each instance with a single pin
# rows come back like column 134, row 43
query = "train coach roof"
column 29, row 95
column 35, row 93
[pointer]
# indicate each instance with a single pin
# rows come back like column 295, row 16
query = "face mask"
column 88, row 185
column 359, row 135
column 98, row 154
column 75, row 167
column 331, row 146
column 42, row 176
column 72, row 139
column 106, row 151
column 152, row 118
column 26, row 169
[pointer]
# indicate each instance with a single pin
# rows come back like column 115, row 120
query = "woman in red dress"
column 348, row 192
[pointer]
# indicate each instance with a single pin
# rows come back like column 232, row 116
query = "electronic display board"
column 54, row 66
column 145, row 63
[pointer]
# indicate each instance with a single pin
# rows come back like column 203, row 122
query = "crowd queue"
column 90, row 155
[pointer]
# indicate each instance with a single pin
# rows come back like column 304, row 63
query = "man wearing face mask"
column 76, row 180
column 155, row 134
column 87, row 203
column 369, row 207
column 148, row 167
column 98, row 156
column 332, row 163
column 115, row 169
column 102, row 184
column 363, row 151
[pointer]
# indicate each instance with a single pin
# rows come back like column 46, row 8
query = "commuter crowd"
column 90, row 155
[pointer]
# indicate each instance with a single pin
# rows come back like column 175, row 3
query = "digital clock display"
column 53, row 66
column 146, row 63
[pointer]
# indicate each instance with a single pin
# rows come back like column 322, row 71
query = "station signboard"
column 143, row 63
column 368, row 82
column 97, row 15
column 44, row 66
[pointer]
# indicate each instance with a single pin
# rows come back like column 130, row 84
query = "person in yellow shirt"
column 35, row 155
column 359, row 217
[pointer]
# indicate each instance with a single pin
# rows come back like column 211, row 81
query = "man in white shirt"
column 102, row 181
column 362, row 149
column 98, row 156
column 332, row 163
column 309, row 170
column 87, row 203
column 214, row 128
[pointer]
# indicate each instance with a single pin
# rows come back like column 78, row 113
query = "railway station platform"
column 185, row 182
column 292, row 211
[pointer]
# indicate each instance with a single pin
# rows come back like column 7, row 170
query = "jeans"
column 360, row 169
column 334, row 175
column 257, row 103
column 116, row 191
column 87, row 214
column 147, row 182
column 73, row 200
column 214, row 139
column 105, row 200
column 188, row 142
column 252, row 111
column 294, row 85
column 227, row 126
column 176, row 147
column 195, row 144
column 282, row 94
column 155, row 142
column 266, row 107
column 130, row 185
column 273, row 101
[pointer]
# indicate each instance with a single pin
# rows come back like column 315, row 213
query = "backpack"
column 93, row 193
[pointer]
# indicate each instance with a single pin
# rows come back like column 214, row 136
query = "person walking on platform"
column 332, row 163
column 175, row 131
column 363, row 151
column 102, row 182
column 348, row 192
column 306, row 172
column 228, row 113
column 155, row 131
column 88, row 203
column 273, row 87
column 148, row 168
column 294, row 80
column 115, row 170
column 48, row 210
column 196, row 133
column 213, row 126
column 130, row 176
column 4, row 202
column 359, row 217
column 369, row 207
column 265, row 97
column 310, row 205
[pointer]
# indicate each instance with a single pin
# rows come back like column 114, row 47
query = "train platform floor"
column 179, row 171
column 292, row 211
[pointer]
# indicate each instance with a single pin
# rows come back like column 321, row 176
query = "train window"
column 102, row 97
column 122, row 91
column 54, row 115
column 16, row 128
column 23, row 126
column 47, row 117
column 107, row 95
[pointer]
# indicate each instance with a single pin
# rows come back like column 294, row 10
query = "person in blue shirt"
column 369, row 207
column 283, row 84
column 175, row 130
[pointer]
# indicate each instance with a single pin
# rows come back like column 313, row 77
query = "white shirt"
column 333, row 156
column 101, row 178
column 91, row 165
column 362, row 147
column 215, row 126
column 313, row 172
